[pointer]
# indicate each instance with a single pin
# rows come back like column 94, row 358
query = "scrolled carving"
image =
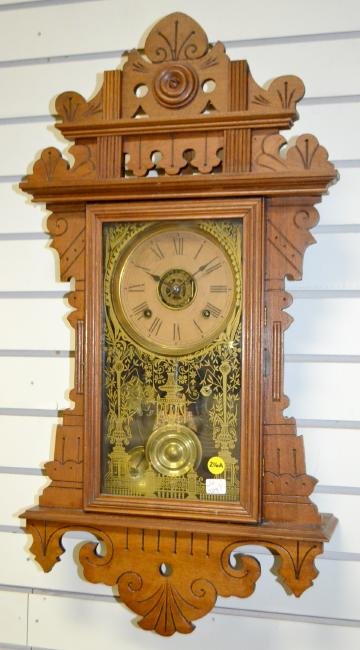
column 46, row 545
column 305, row 154
column 242, row 566
column 72, row 107
column 166, row 610
column 172, row 154
column 68, row 231
column 269, row 157
column 283, row 93
column 306, row 219
column 53, row 167
column 308, row 154
column 170, row 579
column 57, row 225
column 47, row 540
column 174, row 38
column 84, row 161
column 294, row 563
column 51, row 164
column 173, row 579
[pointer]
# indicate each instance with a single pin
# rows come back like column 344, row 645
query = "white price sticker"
column 215, row 486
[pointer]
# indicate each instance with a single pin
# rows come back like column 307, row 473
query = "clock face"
column 173, row 290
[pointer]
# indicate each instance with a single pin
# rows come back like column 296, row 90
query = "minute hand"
column 203, row 266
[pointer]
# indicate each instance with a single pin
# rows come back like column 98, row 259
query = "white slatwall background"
column 47, row 47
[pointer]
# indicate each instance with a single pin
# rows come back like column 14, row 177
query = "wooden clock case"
column 183, row 128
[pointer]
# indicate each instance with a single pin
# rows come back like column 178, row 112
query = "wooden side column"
column 286, row 486
column 67, row 226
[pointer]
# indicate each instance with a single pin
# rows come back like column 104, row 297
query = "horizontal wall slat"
column 332, row 263
column 20, row 495
column 266, row 62
column 24, row 493
column 17, row 215
column 316, row 63
column 38, row 33
column 323, row 391
column 344, row 507
column 34, row 137
column 35, row 383
column 319, row 600
column 21, row 571
column 332, row 455
column 26, row 442
column 17, row 2
column 340, row 206
column 46, row 325
column 30, row 265
column 85, row 625
column 326, row 326
column 332, row 124
column 50, row 79
column 323, row 326
column 13, row 617
column 34, row 266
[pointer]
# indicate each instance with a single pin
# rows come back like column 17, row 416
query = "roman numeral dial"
column 176, row 287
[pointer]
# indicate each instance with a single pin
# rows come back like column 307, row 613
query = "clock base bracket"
column 171, row 575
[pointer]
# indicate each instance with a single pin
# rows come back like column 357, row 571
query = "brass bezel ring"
column 119, row 264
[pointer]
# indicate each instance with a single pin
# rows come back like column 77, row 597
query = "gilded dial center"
column 177, row 288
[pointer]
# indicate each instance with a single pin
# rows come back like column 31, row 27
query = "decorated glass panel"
column 172, row 352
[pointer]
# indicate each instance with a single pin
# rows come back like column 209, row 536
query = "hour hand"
column 152, row 275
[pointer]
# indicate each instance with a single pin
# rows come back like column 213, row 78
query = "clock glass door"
column 174, row 345
column 172, row 359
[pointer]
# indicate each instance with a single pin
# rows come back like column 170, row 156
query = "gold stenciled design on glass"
column 173, row 448
column 165, row 416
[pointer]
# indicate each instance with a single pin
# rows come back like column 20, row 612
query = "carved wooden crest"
column 183, row 121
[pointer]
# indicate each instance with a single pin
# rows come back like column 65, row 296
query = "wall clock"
column 180, row 218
